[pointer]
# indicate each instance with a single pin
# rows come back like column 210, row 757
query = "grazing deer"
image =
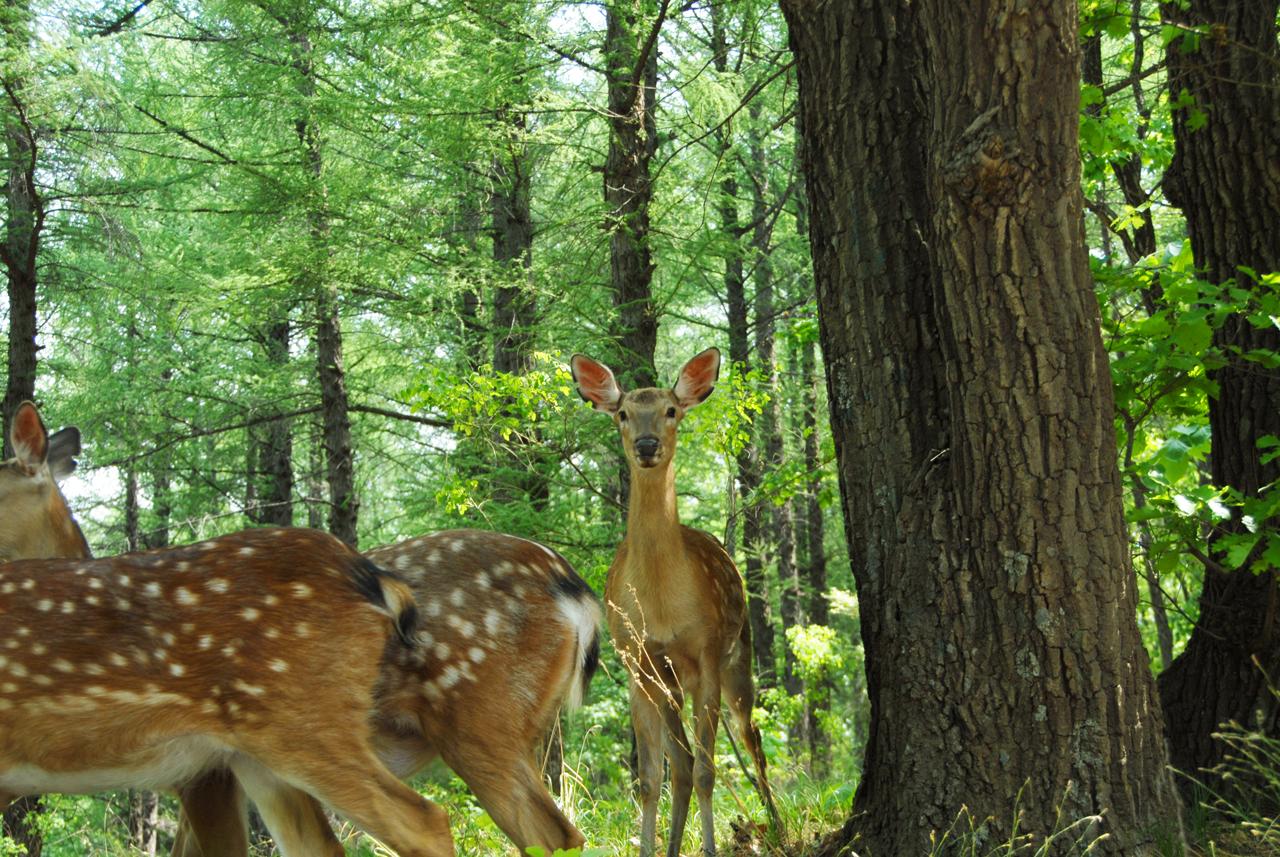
column 262, row 652
column 676, row 607
column 510, row 634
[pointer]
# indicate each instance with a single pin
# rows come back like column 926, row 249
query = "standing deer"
column 676, row 607
column 263, row 652
column 510, row 633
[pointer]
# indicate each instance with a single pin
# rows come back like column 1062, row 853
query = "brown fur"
column 676, row 607
column 483, row 595
column 145, row 669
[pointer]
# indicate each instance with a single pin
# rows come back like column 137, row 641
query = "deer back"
column 106, row 663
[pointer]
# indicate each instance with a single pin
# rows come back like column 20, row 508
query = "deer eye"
column 671, row 413
column 622, row 416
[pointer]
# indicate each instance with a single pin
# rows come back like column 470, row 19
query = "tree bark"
column 778, row 539
column 972, row 416
column 272, row 442
column 344, row 505
column 631, row 63
column 24, row 219
column 1223, row 177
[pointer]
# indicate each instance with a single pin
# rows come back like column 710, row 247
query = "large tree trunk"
column 972, row 416
column 24, row 219
column 1224, row 179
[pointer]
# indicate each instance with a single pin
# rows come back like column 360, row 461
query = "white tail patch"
column 583, row 615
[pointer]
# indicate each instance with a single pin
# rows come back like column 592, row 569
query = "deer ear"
column 29, row 438
column 64, row 446
column 698, row 378
column 596, row 383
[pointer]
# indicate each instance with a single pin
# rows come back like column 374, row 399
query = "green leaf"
column 1193, row 335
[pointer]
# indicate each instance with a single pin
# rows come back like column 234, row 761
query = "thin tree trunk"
column 272, row 443
column 24, row 219
column 972, row 417
column 1224, row 179
column 631, row 62
column 344, row 505
column 750, row 511
column 778, row 541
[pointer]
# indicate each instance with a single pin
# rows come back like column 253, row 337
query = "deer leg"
column 353, row 781
column 646, row 719
column 511, row 790
column 213, row 820
column 681, row 758
column 740, row 695
column 706, row 719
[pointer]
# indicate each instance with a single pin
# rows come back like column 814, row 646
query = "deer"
column 511, row 634
column 676, row 607
column 261, row 652
column 37, row 522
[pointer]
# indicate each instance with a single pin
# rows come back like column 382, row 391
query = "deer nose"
column 646, row 447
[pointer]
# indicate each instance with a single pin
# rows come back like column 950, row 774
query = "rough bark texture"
column 24, row 220
column 1224, row 178
column 631, row 63
column 972, row 416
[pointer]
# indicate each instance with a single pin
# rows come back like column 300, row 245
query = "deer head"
column 36, row 522
column 647, row 418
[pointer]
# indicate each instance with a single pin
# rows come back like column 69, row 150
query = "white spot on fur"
column 205, row 643
column 247, row 551
column 28, row 585
column 68, row 608
column 123, row 579
column 250, row 614
column 403, row 562
column 458, row 597
column 441, row 651
column 450, row 676
column 177, row 669
column 503, row 568
column 432, row 607
column 251, row 689
column 278, row 665
column 459, row 545
column 185, row 596
column 217, row 584
column 92, row 600
column 39, row 649
column 118, row 659
column 95, row 583
column 492, row 620
column 271, row 601
column 44, row 605
column 63, row 665
column 477, row 654
column 151, row 590
column 301, row 590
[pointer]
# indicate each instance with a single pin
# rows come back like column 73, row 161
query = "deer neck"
column 652, row 522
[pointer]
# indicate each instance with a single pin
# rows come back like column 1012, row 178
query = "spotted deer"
column 676, row 607
column 144, row 670
column 508, row 635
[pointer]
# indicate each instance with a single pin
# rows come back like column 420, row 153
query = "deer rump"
column 142, row 670
column 508, row 635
